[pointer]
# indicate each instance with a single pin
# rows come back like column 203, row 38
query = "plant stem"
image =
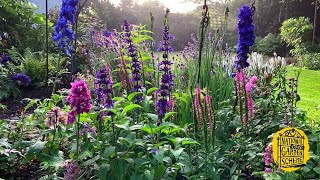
column 114, row 135
column 78, row 135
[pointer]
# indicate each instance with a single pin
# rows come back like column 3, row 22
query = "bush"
column 311, row 60
column 297, row 32
column 269, row 44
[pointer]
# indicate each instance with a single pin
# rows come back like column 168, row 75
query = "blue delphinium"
column 5, row 58
column 136, row 65
column 103, row 88
column 63, row 33
column 246, row 36
column 106, row 33
column 21, row 79
column 166, row 82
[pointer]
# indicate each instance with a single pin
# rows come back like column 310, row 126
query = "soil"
column 15, row 105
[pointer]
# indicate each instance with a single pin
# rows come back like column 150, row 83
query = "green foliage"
column 311, row 60
column 268, row 45
column 297, row 32
column 24, row 26
column 34, row 66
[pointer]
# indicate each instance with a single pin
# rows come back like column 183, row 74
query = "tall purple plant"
column 136, row 65
column 103, row 88
column 63, row 33
column 166, row 82
column 246, row 37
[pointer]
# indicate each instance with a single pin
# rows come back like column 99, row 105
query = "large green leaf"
column 130, row 108
column 132, row 95
column 118, row 168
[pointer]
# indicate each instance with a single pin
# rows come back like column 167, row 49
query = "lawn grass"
column 309, row 91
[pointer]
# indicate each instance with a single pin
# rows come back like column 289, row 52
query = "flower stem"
column 78, row 135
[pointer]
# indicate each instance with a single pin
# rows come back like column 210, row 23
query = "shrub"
column 311, row 60
column 269, row 44
column 296, row 32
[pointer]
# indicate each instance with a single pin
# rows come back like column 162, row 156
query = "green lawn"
column 309, row 91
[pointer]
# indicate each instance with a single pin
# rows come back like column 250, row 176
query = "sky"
column 173, row 5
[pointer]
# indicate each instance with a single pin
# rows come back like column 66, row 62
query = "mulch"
column 15, row 105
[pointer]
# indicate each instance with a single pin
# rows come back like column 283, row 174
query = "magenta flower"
column 254, row 80
column 267, row 158
column 197, row 102
column 79, row 100
column 252, row 83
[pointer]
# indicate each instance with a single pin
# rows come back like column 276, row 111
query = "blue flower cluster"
column 63, row 33
column 4, row 58
column 136, row 65
column 21, row 79
column 166, row 82
column 103, row 88
column 246, row 36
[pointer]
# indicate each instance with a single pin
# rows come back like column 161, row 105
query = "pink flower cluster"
column 197, row 102
column 267, row 159
column 79, row 100
column 252, row 83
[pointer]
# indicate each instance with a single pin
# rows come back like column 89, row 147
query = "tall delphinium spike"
column 63, row 33
column 103, row 88
column 136, row 66
column 166, row 82
column 246, row 39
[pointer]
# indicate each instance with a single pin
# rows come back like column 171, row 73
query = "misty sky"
column 173, row 5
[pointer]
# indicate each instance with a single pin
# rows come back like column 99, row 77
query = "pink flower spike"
column 249, row 87
column 254, row 80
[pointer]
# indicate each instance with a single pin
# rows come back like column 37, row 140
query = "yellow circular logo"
column 290, row 149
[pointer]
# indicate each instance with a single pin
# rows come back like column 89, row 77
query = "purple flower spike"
column 103, row 88
column 246, row 37
column 63, row 33
column 166, row 83
column 136, row 65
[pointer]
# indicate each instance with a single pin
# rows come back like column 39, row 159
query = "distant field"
column 309, row 91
